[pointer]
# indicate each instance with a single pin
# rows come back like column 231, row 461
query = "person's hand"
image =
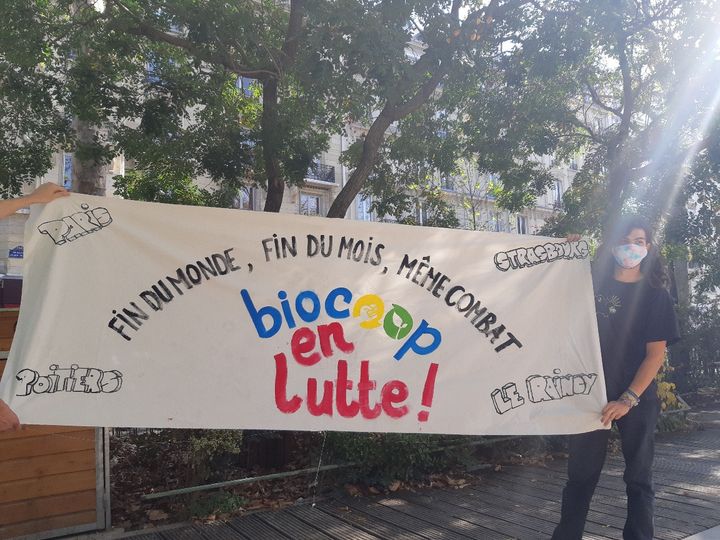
column 46, row 193
column 573, row 237
column 8, row 419
column 614, row 411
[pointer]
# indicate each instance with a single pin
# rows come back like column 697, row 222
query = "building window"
column 574, row 163
column 447, row 183
column 493, row 182
column 602, row 123
column 522, row 225
column 172, row 26
column 421, row 213
column 363, row 208
column 309, row 204
column 117, row 166
column 498, row 222
column 557, row 194
column 245, row 85
column 156, row 66
column 245, row 199
column 67, row 170
column 151, row 72
column 320, row 172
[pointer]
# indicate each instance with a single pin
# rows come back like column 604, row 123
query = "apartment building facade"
column 324, row 180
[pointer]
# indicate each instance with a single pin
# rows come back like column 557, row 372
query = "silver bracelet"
column 629, row 398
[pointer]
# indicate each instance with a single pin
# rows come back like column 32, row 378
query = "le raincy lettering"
column 156, row 297
column 542, row 388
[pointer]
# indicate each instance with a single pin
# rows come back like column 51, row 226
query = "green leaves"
column 163, row 187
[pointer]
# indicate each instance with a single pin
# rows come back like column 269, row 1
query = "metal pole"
column 249, row 480
column 299, row 472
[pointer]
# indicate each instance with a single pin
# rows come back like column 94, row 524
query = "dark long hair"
column 652, row 266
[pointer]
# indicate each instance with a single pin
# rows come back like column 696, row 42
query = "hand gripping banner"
column 148, row 315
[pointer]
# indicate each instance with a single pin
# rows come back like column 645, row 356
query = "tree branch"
column 144, row 29
column 455, row 9
column 646, row 21
column 599, row 102
column 585, row 125
column 628, row 101
column 294, row 32
column 587, row 131
column 436, row 61
column 420, row 97
column 272, row 138
column 416, row 25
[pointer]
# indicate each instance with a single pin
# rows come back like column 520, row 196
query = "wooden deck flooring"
column 515, row 502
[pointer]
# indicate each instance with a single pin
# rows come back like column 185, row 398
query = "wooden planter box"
column 52, row 479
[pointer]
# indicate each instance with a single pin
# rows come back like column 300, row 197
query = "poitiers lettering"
column 72, row 379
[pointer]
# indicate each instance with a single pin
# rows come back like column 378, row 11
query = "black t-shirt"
column 630, row 315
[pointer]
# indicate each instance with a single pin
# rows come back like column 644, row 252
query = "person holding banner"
column 8, row 419
column 636, row 322
column 42, row 195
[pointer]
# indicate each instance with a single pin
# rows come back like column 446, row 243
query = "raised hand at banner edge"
column 47, row 193
column 8, row 419
column 44, row 194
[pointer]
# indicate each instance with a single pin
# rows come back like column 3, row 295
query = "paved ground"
column 516, row 502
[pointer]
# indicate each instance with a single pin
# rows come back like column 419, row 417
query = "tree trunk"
column 89, row 176
column 371, row 145
column 275, row 183
column 676, row 235
column 680, row 354
column 618, row 170
column 617, row 181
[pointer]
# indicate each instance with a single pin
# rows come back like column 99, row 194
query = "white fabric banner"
column 150, row 315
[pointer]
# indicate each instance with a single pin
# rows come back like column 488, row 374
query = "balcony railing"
column 321, row 173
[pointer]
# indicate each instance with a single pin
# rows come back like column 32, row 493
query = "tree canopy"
column 654, row 69
column 249, row 93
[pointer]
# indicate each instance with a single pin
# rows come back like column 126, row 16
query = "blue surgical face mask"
column 629, row 255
